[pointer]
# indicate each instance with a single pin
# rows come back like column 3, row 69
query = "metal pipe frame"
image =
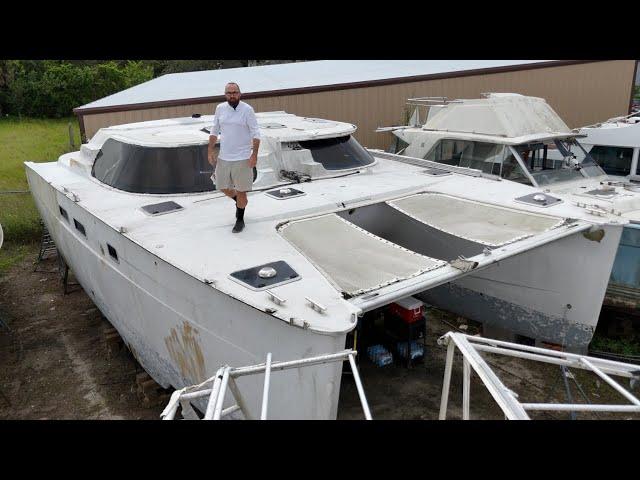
column 265, row 392
column 216, row 386
column 469, row 346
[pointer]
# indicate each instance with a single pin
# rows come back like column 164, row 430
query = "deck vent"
column 161, row 208
column 286, row 192
column 603, row 192
column 539, row 200
column 266, row 276
column 436, row 172
column 272, row 125
column 206, row 130
column 316, row 120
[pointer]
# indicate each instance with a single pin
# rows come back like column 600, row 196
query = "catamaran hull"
column 553, row 293
column 182, row 330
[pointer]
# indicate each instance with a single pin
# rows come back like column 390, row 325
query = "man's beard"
column 233, row 104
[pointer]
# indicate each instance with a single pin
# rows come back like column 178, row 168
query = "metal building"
column 372, row 93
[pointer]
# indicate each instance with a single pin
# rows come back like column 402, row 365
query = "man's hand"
column 212, row 158
column 253, row 160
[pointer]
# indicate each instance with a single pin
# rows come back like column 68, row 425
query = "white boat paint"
column 171, row 297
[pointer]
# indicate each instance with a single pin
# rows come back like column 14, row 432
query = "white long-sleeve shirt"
column 236, row 129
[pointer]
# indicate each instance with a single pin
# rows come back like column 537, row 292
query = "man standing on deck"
column 236, row 124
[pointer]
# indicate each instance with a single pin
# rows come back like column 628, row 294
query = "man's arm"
column 253, row 159
column 213, row 138
column 211, row 151
column 255, row 134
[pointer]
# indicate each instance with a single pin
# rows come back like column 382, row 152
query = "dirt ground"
column 59, row 361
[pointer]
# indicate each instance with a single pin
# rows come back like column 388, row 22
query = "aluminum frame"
column 471, row 346
column 215, row 387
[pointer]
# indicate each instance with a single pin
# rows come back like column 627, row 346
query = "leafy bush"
column 54, row 88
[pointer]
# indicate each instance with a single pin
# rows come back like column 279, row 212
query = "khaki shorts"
column 235, row 175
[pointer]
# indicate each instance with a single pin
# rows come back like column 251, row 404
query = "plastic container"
column 380, row 355
column 416, row 350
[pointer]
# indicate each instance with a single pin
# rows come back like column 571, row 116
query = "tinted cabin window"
column 338, row 153
column 613, row 160
column 486, row 157
column 134, row 168
column 63, row 212
column 79, row 227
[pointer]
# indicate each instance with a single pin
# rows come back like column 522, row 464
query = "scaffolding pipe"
column 466, row 387
column 265, row 392
column 214, row 394
column 239, row 398
column 363, row 398
column 444, row 400
column 221, row 394
column 277, row 366
column 581, row 407
column 513, row 349
column 611, row 382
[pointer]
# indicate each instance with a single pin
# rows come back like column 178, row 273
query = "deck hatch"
column 284, row 193
column 352, row 259
column 600, row 192
column 161, row 208
column 539, row 200
column 478, row 222
column 262, row 277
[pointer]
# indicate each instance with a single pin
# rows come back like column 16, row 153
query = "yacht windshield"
column 557, row 161
column 338, row 153
column 139, row 169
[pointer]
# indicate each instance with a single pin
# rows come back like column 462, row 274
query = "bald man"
column 236, row 124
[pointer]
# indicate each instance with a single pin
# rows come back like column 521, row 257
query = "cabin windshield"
column 140, row 169
column 338, row 153
column 557, row 161
column 489, row 158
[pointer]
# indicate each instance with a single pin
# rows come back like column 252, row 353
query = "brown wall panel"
column 582, row 94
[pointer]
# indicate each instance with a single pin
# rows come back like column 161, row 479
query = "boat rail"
column 470, row 346
column 421, row 162
column 215, row 387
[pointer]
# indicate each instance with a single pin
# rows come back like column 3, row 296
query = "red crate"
column 409, row 309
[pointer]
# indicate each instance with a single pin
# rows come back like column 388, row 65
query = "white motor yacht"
column 332, row 231
column 523, row 140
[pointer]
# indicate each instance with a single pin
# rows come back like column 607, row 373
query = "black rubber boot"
column 239, row 226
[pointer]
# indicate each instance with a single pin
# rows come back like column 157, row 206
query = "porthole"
column 64, row 213
column 112, row 252
column 79, row 227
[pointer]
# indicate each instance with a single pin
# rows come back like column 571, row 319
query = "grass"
column 26, row 139
column 621, row 346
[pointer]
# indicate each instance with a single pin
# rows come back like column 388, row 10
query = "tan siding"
column 582, row 94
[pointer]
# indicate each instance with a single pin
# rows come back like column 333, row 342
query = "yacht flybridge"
column 523, row 140
column 332, row 231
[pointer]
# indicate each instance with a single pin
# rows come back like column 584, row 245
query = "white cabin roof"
column 281, row 126
column 503, row 117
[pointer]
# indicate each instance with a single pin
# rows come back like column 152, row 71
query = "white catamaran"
column 332, row 231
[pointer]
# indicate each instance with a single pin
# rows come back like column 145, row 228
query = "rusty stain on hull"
column 185, row 351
